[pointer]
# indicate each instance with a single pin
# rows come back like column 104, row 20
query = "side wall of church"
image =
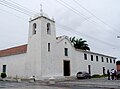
column 96, row 67
column 78, row 62
column 15, row 65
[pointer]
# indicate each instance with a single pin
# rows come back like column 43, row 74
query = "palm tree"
column 79, row 43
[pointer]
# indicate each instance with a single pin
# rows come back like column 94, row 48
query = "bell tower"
column 41, row 45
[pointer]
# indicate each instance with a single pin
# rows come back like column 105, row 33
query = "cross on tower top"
column 41, row 9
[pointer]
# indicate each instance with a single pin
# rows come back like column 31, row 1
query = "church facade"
column 46, row 55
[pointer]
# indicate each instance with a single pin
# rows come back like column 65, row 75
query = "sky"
column 96, row 21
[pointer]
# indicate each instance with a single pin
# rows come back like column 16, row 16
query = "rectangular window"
column 103, row 70
column 110, row 60
column 91, row 57
column 102, row 59
column 48, row 47
column 66, row 51
column 97, row 58
column 107, row 60
column 4, row 68
column 85, row 56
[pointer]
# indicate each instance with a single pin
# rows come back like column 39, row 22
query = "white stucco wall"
column 47, row 57
column 41, row 63
column 39, row 60
column 77, row 61
column 96, row 66
column 15, row 65
column 33, row 60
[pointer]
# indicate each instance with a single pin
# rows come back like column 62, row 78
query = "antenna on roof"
column 41, row 9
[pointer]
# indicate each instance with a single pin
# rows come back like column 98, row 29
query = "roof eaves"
column 95, row 53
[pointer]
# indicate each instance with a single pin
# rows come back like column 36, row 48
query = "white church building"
column 46, row 55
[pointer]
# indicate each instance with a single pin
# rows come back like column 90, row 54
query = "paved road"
column 25, row 85
column 94, row 83
column 76, row 84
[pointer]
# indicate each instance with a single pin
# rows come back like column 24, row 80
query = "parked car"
column 118, row 74
column 83, row 75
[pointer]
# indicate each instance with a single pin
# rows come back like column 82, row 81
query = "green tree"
column 79, row 43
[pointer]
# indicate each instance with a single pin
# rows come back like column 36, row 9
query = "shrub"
column 96, row 76
column 3, row 75
column 105, row 75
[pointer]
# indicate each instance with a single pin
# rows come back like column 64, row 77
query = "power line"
column 18, row 6
column 87, row 36
column 31, row 11
column 72, row 9
column 12, row 6
column 14, row 9
column 76, row 11
column 77, row 32
column 94, row 15
column 14, row 15
column 92, row 41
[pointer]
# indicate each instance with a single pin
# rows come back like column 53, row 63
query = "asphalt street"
column 76, row 84
column 14, row 85
column 9, row 85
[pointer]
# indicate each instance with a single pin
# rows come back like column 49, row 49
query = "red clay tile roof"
column 14, row 50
